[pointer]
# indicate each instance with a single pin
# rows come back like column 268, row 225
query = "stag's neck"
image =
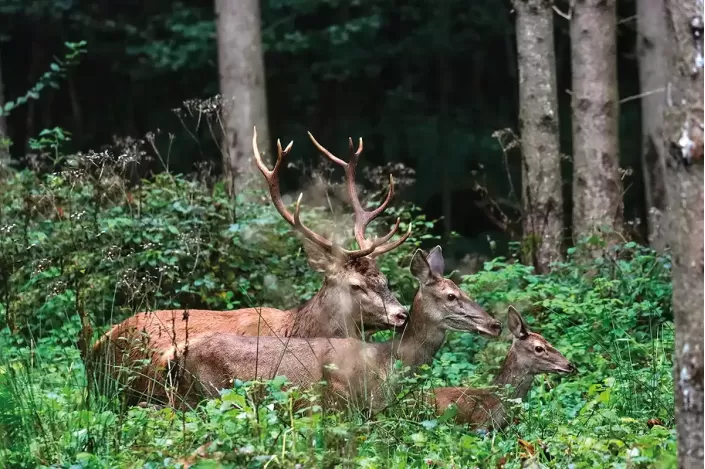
column 321, row 316
column 511, row 373
column 421, row 339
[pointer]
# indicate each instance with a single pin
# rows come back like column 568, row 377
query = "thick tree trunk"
column 683, row 139
column 542, row 197
column 597, row 187
column 242, row 86
column 651, row 47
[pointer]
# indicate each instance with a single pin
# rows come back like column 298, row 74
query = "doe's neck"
column 512, row 373
column 421, row 338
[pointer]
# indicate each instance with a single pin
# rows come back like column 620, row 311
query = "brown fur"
column 354, row 370
column 136, row 344
column 484, row 407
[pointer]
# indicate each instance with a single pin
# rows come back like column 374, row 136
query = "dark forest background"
column 423, row 85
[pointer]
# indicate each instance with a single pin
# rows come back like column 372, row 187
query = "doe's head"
column 441, row 301
column 532, row 352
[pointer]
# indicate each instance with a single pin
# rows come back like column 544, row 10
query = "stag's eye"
column 539, row 349
column 451, row 297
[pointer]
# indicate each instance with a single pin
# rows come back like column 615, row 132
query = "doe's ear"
column 322, row 260
column 420, row 267
column 436, row 261
column 516, row 323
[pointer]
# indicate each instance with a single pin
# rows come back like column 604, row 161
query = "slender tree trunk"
column 242, row 86
column 683, row 138
column 538, row 111
column 651, row 48
column 4, row 152
column 3, row 119
column 443, row 130
column 597, row 187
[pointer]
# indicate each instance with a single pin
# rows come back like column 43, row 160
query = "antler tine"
column 362, row 217
column 388, row 247
column 272, row 176
column 320, row 240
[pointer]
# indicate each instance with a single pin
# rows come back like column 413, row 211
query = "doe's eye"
column 451, row 297
column 355, row 287
column 539, row 349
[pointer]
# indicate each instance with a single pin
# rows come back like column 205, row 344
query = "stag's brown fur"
column 354, row 296
column 529, row 355
column 353, row 369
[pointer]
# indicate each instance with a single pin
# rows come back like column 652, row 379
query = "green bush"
column 84, row 240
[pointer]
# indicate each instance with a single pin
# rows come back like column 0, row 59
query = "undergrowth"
column 82, row 246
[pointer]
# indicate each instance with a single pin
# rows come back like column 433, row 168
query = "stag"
column 355, row 296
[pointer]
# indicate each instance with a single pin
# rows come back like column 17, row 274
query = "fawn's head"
column 532, row 353
column 353, row 282
column 441, row 301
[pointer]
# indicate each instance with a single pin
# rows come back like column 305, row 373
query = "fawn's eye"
column 451, row 297
column 539, row 349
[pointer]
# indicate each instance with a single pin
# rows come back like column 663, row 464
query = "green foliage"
column 83, row 239
column 57, row 69
column 170, row 242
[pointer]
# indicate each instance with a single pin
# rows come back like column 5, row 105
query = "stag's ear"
column 322, row 260
column 420, row 268
column 517, row 326
column 436, row 261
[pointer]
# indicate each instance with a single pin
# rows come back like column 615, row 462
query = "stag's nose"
column 398, row 319
column 496, row 327
column 572, row 368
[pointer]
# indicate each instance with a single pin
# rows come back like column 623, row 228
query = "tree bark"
column 542, row 197
column 651, row 50
column 597, row 187
column 683, row 139
column 242, row 86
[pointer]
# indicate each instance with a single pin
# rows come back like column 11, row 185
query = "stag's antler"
column 272, row 178
column 362, row 216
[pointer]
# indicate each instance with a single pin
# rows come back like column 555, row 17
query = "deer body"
column 354, row 296
column 358, row 369
column 529, row 355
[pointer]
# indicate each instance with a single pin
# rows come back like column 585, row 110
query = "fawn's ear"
column 436, row 261
column 420, row 267
column 322, row 260
column 517, row 326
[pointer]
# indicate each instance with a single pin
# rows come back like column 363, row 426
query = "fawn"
column 529, row 355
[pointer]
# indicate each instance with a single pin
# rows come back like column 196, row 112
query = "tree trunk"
column 444, row 130
column 597, row 187
column 651, row 48
column 542, row 197
column 4, row 151
column 242, row 86
column 683, row 139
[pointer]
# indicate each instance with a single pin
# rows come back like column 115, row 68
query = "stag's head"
column 352, row 277
column 532, row 353
column 442, row 302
